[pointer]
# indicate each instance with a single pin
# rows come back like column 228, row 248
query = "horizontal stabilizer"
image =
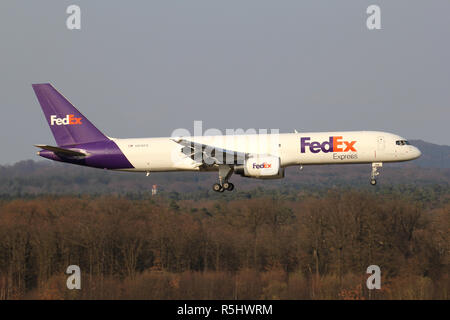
column 62, row 151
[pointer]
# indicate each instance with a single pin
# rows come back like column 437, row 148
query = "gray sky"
column 145, row 68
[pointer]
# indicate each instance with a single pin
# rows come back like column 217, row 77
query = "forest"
column 311, row 235
column 315, row 245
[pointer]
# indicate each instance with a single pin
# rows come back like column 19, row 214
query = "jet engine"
column 261, row 167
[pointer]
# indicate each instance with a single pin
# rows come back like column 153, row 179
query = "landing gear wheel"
column 217, row 187
column 228, row 186
column 373, row 182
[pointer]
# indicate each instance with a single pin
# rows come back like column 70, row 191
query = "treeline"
column 258, row 248
column 28, row 179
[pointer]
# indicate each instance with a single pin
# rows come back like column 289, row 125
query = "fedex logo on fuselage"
column 263, row 165
column 333, row 144
column 68, row 120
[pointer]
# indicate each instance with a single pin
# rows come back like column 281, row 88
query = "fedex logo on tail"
column 263, row 165
column 333, row 144
column 67, row 120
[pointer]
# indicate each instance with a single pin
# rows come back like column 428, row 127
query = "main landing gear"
column 225, row 173
column 375, row 173
column 221, row 188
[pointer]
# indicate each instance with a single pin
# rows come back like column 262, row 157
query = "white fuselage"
column 303, row 148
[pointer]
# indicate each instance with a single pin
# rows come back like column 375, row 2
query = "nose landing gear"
column 375, row 173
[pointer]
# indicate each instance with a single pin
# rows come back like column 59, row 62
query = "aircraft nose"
column 416, row 153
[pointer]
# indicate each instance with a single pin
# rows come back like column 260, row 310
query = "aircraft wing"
column 210, row 155
column 62, row 151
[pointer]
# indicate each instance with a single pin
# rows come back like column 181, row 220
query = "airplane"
column 261, row 156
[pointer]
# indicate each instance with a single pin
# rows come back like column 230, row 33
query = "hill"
column 28, row 178
column 433, row 155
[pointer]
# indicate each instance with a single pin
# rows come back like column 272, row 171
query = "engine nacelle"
column 261, row 167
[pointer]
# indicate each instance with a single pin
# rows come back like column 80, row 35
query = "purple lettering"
column 304, row 144
column 315, row 147
column 329, row 144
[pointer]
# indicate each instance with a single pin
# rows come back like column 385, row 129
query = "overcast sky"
column 145, row 68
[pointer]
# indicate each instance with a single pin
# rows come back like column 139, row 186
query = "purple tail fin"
column 68, row 125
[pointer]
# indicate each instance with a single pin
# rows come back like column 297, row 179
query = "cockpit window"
column 402, row 142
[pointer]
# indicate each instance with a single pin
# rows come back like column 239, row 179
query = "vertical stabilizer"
column 68, row 125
